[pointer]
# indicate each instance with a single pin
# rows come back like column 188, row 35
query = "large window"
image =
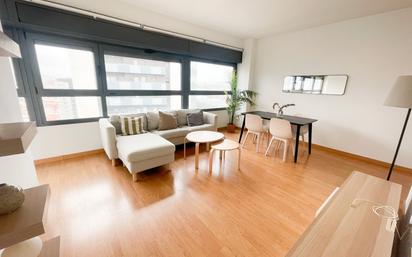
column 208, row 83
column 66, row 68
column 137, row 84
column 207, row 76
column 127, row 73
column 71, row 108
column 135, row 104
column 67, row 82
column 70, row 80
column 207, row 101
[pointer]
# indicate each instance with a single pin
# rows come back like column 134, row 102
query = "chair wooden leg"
column 277, row 147
column 244, row 141
column 270, row 144
column 258, row 143
column 285, row 150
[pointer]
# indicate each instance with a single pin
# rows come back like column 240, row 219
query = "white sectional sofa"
column 152, row 149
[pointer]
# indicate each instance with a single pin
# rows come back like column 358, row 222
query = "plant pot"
column 231, row 128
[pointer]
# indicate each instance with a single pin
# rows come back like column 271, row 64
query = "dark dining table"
column 294, row 120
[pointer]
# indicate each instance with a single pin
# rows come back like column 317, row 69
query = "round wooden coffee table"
column 201, row 137
column 223, row 147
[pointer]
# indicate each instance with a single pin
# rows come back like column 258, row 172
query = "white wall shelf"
column 15, row 138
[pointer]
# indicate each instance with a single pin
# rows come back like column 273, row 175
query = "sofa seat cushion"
column 172, row 133
column 143, row 147
column 209, row 127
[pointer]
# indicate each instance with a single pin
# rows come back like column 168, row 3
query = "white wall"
column 60, row 140
column 15, row 169
column 373, row 51
column 245, row 72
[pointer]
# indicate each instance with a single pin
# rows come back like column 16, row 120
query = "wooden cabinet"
column 348, row 225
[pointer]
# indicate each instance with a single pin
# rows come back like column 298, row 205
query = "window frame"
column 40, row 91
column 208, row 92
column 28, row 77
column 141, row 54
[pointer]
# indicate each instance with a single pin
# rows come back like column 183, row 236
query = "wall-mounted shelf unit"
column 8, row 48
column 15, row 138
column 28, row 222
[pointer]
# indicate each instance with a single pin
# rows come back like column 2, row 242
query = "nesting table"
column 201, row 137
column 223, row 147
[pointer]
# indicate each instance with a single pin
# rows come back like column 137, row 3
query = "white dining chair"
column 281, row 131
column 407, row 203
column 254, row 125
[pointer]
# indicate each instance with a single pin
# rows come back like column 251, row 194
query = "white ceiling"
column 260, row 18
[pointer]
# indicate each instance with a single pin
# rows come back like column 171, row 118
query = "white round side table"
column 225, row 145
column 199, row 137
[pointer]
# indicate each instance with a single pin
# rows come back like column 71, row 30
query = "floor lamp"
column 400, row 96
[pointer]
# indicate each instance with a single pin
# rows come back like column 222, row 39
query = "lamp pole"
column 399, row 144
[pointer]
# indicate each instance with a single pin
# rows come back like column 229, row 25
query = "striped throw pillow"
column 131, row 125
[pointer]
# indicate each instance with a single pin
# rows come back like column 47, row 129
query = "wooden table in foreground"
column 348, row 228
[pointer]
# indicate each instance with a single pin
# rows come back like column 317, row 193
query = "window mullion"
column 102, row 78
column 185, row 83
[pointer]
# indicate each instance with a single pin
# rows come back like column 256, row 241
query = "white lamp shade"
column 401, row 93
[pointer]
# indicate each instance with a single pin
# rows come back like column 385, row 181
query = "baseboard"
column 315, row 146
column 360, row 157
column 67, row 156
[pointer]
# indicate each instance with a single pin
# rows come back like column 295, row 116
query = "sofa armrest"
column 108, row 137
column 210, row 118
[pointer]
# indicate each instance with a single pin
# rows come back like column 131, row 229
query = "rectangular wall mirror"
column 315, row 84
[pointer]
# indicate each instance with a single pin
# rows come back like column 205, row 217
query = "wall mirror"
column 315, row 84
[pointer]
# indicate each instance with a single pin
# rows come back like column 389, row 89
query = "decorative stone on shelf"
column 11, row 198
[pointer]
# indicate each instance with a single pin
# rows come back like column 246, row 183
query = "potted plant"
column 235, row 99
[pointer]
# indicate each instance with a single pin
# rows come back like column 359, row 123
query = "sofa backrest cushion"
column 131, row 125
column 182, row 116
column 195, row 119
column 115, row 121
column 167, row 120
column 152, row 120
